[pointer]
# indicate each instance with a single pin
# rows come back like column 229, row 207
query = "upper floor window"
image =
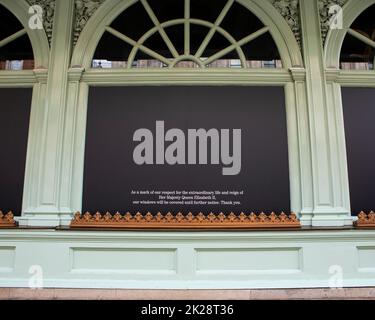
column 15, row 48
column 358, row 51
column 187, row 34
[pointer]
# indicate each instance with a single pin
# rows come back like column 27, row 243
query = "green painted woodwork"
column 61, row 81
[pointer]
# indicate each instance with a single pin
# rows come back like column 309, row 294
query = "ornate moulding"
column 84, row 10
column 366, row 220
column 7, row 220
column 289, row 9
column 48, row 7
column 325, row 15
column 181, row 221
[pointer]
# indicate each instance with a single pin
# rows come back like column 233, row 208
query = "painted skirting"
column 196, row 260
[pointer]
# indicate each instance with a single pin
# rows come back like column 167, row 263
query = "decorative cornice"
column 48, row 7
column 289, row 9
column 332, row 74
column 75, row 74
column 41, row 75
column 181, row 221
column 84, row 10
column 366, row 220
column 7, row 220
column 325, row 15
column 298, row 74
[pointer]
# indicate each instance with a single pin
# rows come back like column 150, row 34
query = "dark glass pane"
column 261, row 48
column 176, row 35
column 166, row 10
column 360, row 133
column 198, row 34
column 134, row 22
column 112, row 48
column 19, row 49
column 9, row 24
column 240, row 22
column 218, row 43
column 157, row 44
column 355, row 51
column 207, row 10
column 14, row 117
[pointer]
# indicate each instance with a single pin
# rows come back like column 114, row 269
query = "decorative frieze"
column 48, row 7
column 7, row 220
column 289, row 9
column 181, row 221
column 84, row 11
column 366, row 220
column 326, row 11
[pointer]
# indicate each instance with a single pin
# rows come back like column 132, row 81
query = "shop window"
column 14, row 115
column 187, row 34
column 360, row 133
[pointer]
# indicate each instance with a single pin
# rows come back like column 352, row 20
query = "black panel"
column 114, row 114
column 359, row 115
column 14, row 117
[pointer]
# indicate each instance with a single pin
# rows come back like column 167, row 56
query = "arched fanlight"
column 358, row 51
column 15, row 48
column 205, row 54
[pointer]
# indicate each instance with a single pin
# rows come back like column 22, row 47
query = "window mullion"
column 12, row 37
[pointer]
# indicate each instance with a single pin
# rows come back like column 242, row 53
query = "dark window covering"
column 115, row 113
column 15, row 107
column 359, row 116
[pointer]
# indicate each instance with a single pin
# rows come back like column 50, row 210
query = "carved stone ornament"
column 325, row 15
column 7, row 220
column 181, row 221
column 366, row 220
column 289, row 9
column 48, row 7
column 84, row 11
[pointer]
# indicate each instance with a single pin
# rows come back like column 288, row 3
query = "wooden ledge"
column 7, row 220
column 366, row 220
column 181, row 221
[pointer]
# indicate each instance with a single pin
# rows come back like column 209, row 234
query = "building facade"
column 319, row 52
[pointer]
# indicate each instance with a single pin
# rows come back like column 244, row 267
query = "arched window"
column 187, row 34
column 15, row 48
column 358, row 51
column 358, row 96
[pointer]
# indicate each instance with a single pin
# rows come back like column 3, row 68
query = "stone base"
column 282, row 294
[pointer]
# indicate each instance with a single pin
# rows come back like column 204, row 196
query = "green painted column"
column 330, row 192
column 42, row 205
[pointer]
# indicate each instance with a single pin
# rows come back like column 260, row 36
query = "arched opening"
column 358, row 96
column 16, row 52
column 198, row 35
column 358, row 50
column 162, row 34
